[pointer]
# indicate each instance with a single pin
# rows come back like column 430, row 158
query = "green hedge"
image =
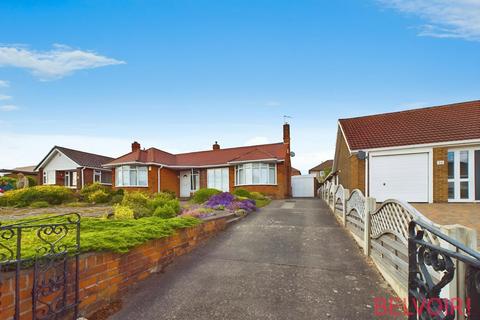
column 204, row 194
column 25, row 197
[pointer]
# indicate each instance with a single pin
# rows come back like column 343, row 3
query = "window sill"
column 131, row 186
column 258, row 184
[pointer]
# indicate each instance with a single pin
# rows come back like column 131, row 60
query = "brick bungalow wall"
column 440, row 175
column 351, row 170
column 104, row 276
column 169, row 180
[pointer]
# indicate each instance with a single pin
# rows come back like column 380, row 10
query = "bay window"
column 131, row 176
column 256, row 173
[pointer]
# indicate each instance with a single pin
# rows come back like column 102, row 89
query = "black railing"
column 47, row 244
column 426, row 260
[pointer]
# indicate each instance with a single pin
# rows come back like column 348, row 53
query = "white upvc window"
column 97, row 176
column 461, row 175
column 48, row 176
column 131, row 176
column 218, row 179
column 256, row 173
column 194, row 180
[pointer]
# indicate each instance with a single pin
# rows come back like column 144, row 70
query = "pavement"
column 290, row 260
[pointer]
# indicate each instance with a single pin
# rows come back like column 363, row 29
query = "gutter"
column 83, row 178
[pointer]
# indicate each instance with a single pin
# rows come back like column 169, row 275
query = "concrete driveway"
column 290, row 260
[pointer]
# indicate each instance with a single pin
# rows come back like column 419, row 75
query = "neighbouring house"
column 322, row 170
column 296, row 172
column 72, row 168
column 28, row 171
column 264, row 168
column 421, row 155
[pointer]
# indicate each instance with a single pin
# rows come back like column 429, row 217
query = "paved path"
column 290, row 260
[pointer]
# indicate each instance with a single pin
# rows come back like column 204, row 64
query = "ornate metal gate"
column 425, row 259
column 50, row 246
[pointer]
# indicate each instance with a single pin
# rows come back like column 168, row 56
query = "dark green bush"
column 24, row 197
column 116, row 198
column 32, row 182
column 99, row 196
column 165, row 212
column 240, row 192
column 204, row 194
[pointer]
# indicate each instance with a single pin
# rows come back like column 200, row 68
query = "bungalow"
column 265, row 168
column 322, row 170
column 73, row 168
column 421, row 155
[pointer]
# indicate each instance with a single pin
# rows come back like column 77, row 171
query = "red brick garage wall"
column 104, row 276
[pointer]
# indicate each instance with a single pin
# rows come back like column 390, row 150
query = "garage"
column 303, row 186
column 400, row 176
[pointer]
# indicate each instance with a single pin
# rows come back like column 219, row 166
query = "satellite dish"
column 292, row 154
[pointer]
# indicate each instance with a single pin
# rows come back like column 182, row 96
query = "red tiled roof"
column 322, row 166
column 205, row 158
column 454, row 122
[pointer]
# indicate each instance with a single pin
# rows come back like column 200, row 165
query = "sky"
column 181, row 74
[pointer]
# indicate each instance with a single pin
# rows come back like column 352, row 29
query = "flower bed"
column 240, row 203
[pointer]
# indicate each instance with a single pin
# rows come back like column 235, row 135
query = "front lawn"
column 99, row 234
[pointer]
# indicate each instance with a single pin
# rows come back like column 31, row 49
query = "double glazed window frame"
column 263, row 177
column 458, row 178
column 133, row 171
column 47, row 177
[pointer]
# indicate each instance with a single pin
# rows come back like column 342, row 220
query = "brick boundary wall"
column 105, row 276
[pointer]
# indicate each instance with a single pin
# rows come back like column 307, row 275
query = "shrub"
column 257, row 196
column 240, row 192
column 24, row 197
column 164, row 205
column 96, row 193
column 135, row 199
column 165, row 212
column 204, row 194
column 99, row 196
column 39, row 204
column 32, row 182
column 247, row 205
column 116, row 198
column 122, row 212
column 7, row 183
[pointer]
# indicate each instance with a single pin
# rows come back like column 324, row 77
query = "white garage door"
column 303, row 186
column 403, row 177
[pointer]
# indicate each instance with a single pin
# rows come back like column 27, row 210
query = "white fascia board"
column 345, row 138
column 260, row 160
column 424, row 145
column 188, row 166
column 48, row 158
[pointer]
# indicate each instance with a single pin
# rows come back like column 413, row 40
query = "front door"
column 185, row 184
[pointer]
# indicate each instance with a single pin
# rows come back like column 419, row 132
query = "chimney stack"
column 135, row 146
column 216, row 146
column 286, row 133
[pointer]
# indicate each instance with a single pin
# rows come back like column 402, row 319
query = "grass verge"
column 99, row 234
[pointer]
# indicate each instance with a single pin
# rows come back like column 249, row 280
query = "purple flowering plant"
column 223, row 199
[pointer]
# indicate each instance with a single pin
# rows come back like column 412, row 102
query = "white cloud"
column 8, row 107
column 445, row 18
column 4, row 84
column 55, row 63
column 5, row 97
column 256, row 140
